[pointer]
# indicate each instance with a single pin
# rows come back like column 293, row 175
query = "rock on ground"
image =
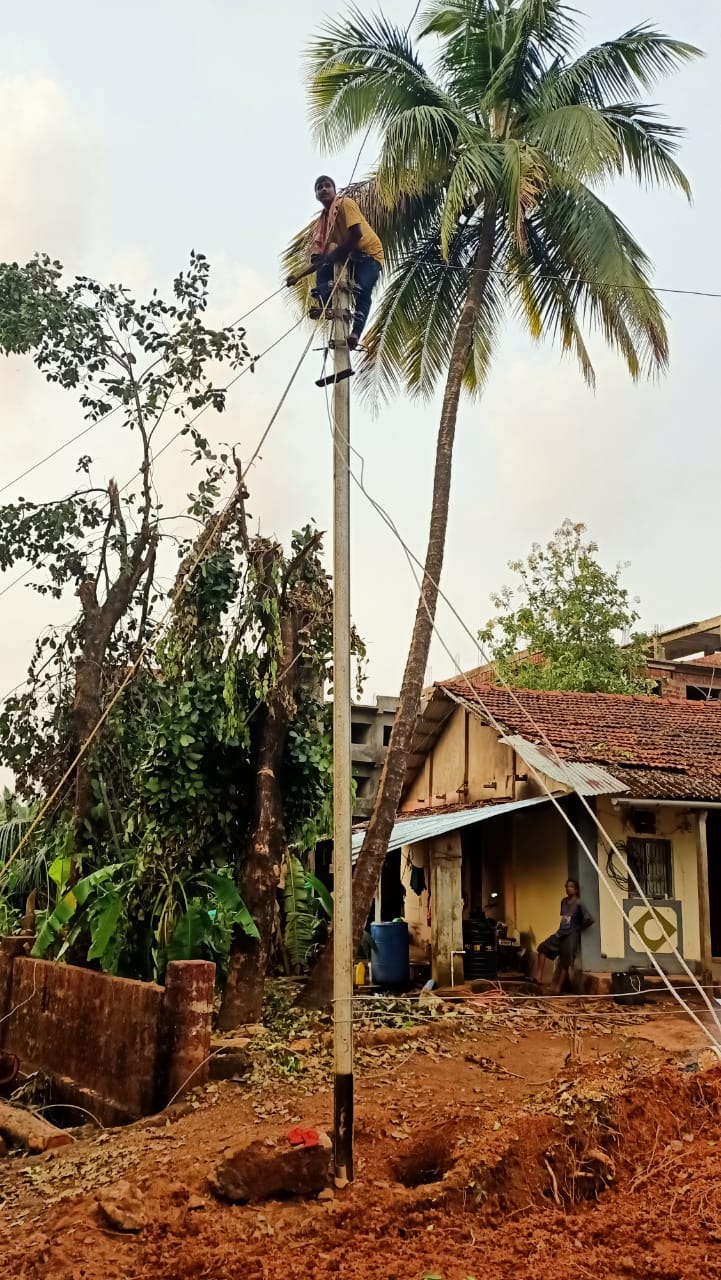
column 121, row 1205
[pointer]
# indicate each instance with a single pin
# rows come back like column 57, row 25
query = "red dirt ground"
column 551, row 1155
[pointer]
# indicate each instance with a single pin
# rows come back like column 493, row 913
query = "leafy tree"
column 217, row 758
column 486, row 196
column 139, row 361
column 569, row 623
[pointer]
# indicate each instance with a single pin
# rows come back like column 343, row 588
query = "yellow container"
column 360, row 973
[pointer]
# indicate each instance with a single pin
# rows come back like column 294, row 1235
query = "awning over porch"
column 414, row 830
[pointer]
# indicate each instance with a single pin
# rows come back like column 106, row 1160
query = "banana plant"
column 308, row 905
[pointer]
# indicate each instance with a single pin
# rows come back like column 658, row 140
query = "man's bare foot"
column 352, row 341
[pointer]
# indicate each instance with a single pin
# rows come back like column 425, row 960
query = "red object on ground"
column 302, row 1137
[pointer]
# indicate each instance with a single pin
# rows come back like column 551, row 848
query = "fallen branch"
column 25, row 1129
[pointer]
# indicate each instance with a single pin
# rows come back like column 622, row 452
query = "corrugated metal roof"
column 586, row 779
column 415, row 830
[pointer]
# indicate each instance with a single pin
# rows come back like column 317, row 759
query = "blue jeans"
column 366, row 271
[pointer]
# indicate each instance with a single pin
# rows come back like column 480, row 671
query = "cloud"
column 47, row 169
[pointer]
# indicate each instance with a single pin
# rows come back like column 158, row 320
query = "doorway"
column 392, row 893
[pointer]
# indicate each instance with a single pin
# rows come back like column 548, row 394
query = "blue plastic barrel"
column 390, row 963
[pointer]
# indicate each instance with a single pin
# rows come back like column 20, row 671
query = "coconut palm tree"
column 487, row 195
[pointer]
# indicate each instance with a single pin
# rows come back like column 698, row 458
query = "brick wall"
column 117, row 1047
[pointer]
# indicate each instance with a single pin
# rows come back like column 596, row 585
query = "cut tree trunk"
column 25, row 1129
column 243, row 995
column 318, row 991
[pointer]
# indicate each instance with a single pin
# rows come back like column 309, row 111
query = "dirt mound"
column 589, row 1140
column 611, row 1170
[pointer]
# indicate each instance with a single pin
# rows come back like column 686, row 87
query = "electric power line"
column 182, row 431
column 411, row 557
column 9, row 484
column 587, row 280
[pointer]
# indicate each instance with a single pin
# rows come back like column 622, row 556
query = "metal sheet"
column 586, row 779
column 416, row 830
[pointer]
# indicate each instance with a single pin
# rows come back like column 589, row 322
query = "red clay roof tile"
column 680, row 739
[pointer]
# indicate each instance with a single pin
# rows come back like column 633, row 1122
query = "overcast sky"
column 133, row 133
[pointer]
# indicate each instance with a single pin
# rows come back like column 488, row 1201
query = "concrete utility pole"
column 342, row 816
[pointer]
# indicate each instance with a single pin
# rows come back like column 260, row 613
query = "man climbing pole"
column 342, row 235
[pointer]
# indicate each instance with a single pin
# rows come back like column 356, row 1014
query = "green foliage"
column 152, row 868
column 503, row 151
column 92, row 918
column 280, row 1015
column 308, row 905
column 568, row 624
column 138, row 361
column 54, row 932
column 15, row 818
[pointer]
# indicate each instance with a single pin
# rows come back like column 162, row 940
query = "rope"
column 158, row 455
column 411, row 557
column 79, row 435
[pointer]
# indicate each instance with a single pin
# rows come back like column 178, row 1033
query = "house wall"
column 468, row 750
column 540, row 869
column 682, row 830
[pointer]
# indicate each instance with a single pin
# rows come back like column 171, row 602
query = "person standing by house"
column 563, row 946
column 342, row 235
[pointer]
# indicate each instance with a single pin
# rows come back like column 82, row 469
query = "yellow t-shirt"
column 349, row 215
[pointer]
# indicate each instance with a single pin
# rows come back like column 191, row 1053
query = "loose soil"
column 493, row 1143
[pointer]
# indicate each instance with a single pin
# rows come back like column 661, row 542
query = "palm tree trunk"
column 375, row 845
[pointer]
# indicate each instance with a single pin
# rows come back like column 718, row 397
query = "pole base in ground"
column 343, row 1129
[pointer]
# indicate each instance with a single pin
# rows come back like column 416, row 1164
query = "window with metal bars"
column 651, row 863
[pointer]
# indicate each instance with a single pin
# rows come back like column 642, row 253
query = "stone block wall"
column 120, row 1048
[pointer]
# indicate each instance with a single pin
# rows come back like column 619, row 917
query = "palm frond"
column 364, row 70
column 410, row 341
column 618, row 68
column 11, row 833
column 523, row 179
column 477, row 172
column 536, row 34
column 546, row 303
column 486, row 334
column 449, row 17
column 647, row 145
column 552, row 24
column 578, row 137
column 607, row 274
column 417, row 150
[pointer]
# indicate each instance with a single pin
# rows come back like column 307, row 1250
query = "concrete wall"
column 370, row 729
column 117, row 1047
column 681, row 829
